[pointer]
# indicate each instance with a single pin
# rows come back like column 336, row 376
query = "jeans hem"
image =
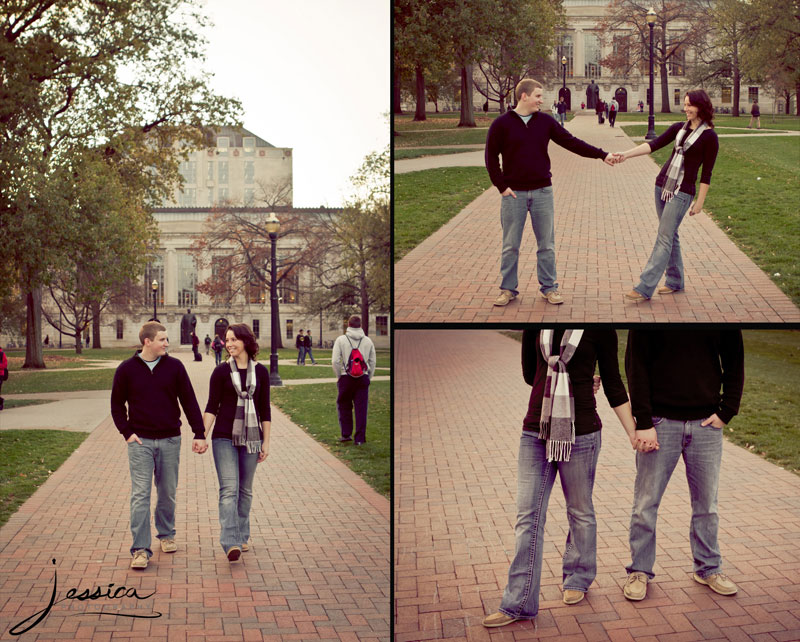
column 514, row 615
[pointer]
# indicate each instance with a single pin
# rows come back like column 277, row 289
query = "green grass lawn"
column 21, row 403
column 760, row 216
column 791, row 123
column 29, row 458
column 313, row 407
column 439, row 121
column 404, row 154
column 640, row 130
column 424, row 201
column 54, row 381
column 463, row 136
column 769, row 413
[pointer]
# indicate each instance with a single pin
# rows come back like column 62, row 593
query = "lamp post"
column 564, row 75
column 154, row 287
column 651, row 119
column 273, row 226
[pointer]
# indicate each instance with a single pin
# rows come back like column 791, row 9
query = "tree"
column 236, row 245
column 679, row 26
column 354, row 272
column 505, row 57
column 77, row 74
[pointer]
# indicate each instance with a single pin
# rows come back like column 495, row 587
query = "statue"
column 188, row 324
column 592, row 94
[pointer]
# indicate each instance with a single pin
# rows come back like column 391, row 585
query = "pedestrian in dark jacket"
column 300, row 344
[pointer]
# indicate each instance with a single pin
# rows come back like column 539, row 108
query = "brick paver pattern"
column 318, row 567
column 460, row 400
column 605, row 226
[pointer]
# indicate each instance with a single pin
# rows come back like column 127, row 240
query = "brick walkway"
column 318, row 568
column 605, row 230
column 457, row 427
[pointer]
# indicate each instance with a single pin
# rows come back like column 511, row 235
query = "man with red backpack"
column 353, row 361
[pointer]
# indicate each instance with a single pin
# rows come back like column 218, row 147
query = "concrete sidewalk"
column 605, row 228
column 457, row 432
column 318, row 568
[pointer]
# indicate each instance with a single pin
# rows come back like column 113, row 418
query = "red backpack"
column 356, row 366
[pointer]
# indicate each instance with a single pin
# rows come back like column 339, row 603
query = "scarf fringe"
column 559, row 450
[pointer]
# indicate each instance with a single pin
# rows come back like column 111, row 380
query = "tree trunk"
column 364, row 299
column 33, row 332
column 96, row 325
column 397, row 103
column 419, row 114
column 662, row 70
column 737, row 79
column 79, row 343
column 788, row 97
column 467, row 111
column 796, row 99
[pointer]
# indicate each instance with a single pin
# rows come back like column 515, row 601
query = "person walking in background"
column 309, row 344
column 207, row 341
column 525, row 186
column 755, row 116
column 144, row 405
column 696, row 145
column 686, row 386
column 562, row 111
column 3, row 373
column 300, row 344
column 561, row 433
column 612, row 111
column 217, row 345
column 605, row 109
column 238, row 410
column 599, row 110
column 196, row 347
column 353, row 360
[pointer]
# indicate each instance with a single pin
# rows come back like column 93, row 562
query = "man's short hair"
column 526, row 86
column 150, row 330
column 354, row 322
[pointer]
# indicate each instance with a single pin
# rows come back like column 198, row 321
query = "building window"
column 621, row 48
column 677, row 97
column 677, row 61
column 220, row 275
column 249, row 145
column 289, row 287
column 120, row 325
column 726, row 95
column 188, row 197
column 249, row 172
column 222, row 194
column 289, row 329
column 254, row 290
column 256, row 328
column 210, row 196
column 249, row 196
column 210, row 174
column 591, row 44
column 333, row 326
column 222, row 170
column 752, row 94
column 154, row 271
column 382, row 326
column 223, row 144
column 565, row 49
column 187, row 280
column 188, row 170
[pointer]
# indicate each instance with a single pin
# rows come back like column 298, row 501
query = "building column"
column 170, row 278
column 579, row 58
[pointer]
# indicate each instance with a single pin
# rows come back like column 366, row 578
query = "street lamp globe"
column 563, row 60
column 154, row 285
column 651, row 16
column 272, row 224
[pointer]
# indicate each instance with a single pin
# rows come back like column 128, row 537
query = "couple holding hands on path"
column 685, row 385
column 521, row 137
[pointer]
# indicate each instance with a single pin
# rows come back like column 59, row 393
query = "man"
column 151, row 383
column 217, row 345
column 300, row 344
column 675, row 379
column 353, row 387
column 3, row 373
column 562, row 111
column 522, row 136
column 308, row 345
column 612, row 111
column 207, row 341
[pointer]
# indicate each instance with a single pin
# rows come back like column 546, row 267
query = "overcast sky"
column 312, row 75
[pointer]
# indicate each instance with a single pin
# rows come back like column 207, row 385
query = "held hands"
column 646, row 440
column 199, row 446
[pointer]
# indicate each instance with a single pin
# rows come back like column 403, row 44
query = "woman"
column 560, row 433
column 696, row 145
column 238, row 408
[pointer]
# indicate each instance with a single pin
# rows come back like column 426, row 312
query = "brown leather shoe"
column 634, row 297
column 718, row 582
column 666, row 290
column 553, row 297
column 573, row 597
column 140, row 559
column 505, row 297
column 498, row 619
column 234, row 553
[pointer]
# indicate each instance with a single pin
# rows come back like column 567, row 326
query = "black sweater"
column 222, row 398
column 678, row 374
column 596, row 347
column 703, row 152
column 152, row 399
column 526, row 165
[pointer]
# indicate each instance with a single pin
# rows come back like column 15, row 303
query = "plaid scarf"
column 675, row 169
column 246, row 431
column 557, row 425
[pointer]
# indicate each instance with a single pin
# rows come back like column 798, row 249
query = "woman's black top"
column 222, row 398
column 703, row 152
column 597, row 346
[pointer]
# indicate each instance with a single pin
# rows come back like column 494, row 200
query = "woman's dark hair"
column 243, row 332
column 705, row 110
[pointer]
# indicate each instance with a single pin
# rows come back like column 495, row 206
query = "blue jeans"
column 701, row 449
column 562, row 118
column 159, row 457
column 666, row 254
column 309, row 354
column 218, row 357
column 513, row 212
column 535, row 479
column 235, row 471
column 301, row 355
